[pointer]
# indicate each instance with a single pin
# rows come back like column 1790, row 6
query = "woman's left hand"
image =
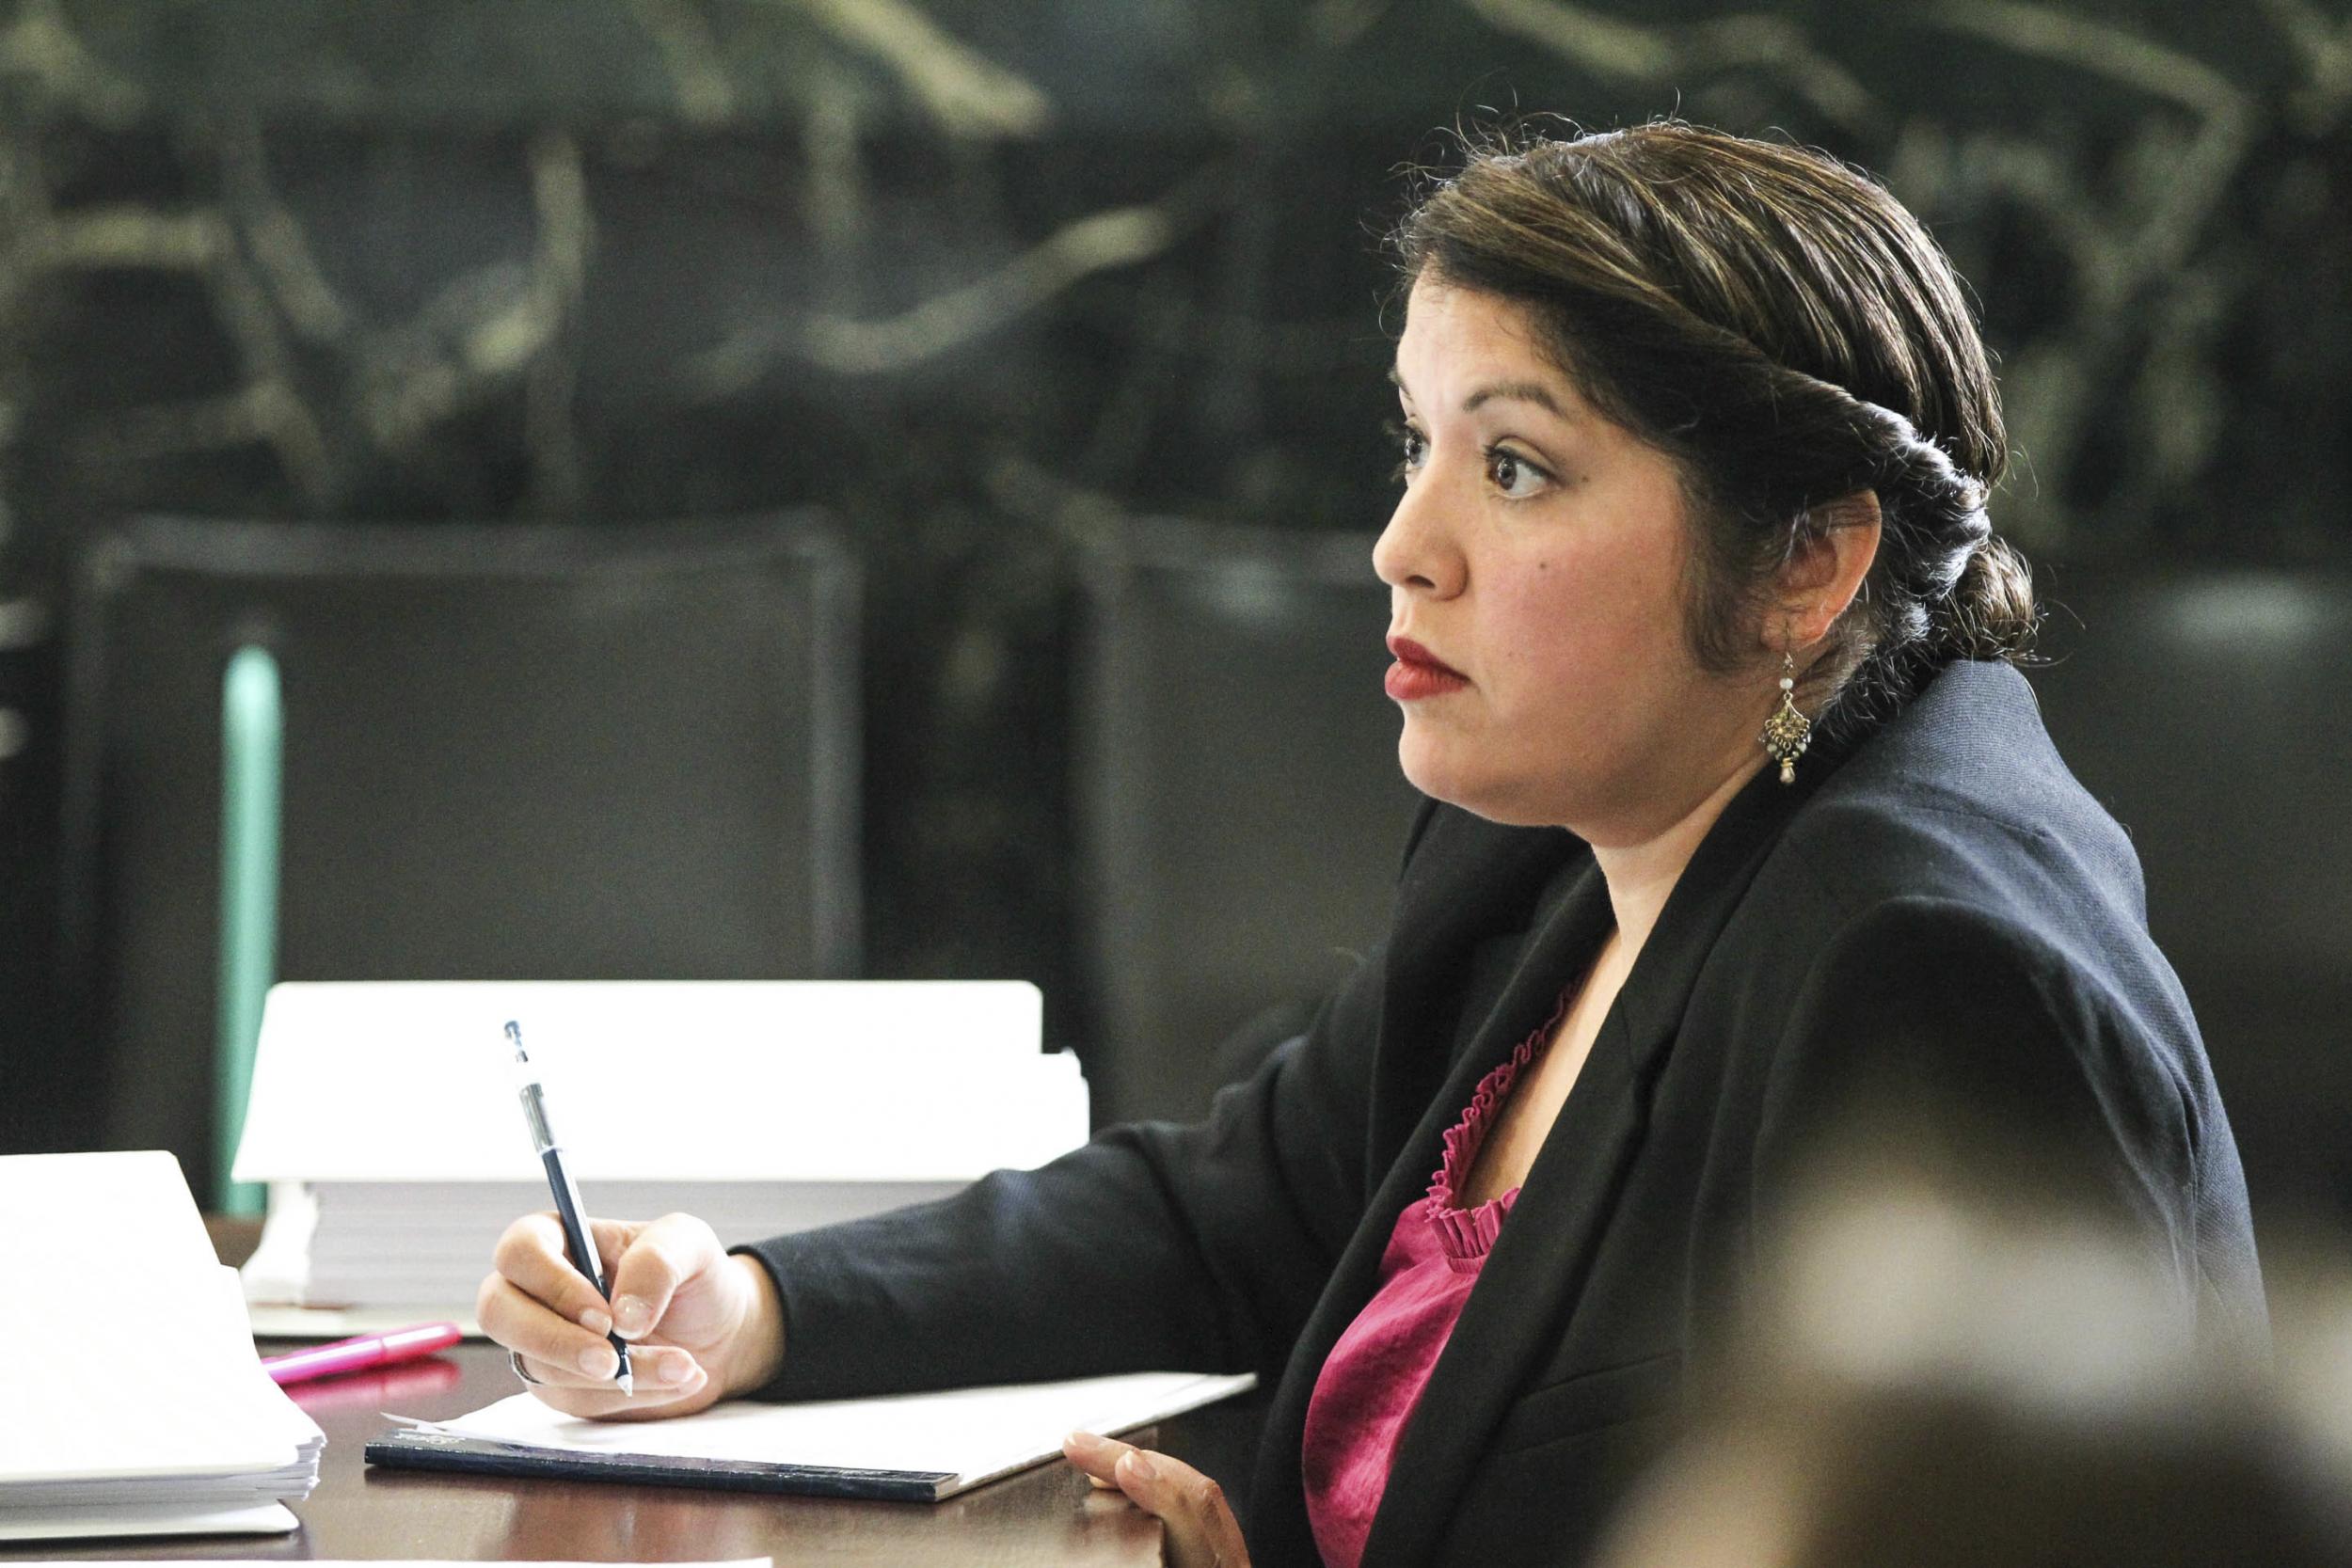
column 1202, row 1530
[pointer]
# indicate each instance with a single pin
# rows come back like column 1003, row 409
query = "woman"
column 1691, row 563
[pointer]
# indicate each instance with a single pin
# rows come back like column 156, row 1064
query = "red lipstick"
column 1418, row 673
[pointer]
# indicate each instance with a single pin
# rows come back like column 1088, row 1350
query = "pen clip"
column 531, row 1091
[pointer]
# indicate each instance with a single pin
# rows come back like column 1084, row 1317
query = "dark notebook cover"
column 433, row 1451
column 989, row 1432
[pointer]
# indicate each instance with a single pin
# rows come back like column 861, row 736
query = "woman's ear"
column 1826, row 571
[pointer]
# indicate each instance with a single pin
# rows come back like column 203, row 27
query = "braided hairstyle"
column 1786, row 331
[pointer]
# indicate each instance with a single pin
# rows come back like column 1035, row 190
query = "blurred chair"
column 510, row 752
column 2210, row 709
column 1241, row 814
column 30, row 1117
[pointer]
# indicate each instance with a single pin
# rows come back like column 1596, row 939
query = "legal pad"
column 915, row 1447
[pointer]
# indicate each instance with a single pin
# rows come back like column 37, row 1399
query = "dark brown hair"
column 1786, row 331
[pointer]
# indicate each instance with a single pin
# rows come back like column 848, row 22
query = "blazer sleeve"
column 1984, row 1051
column 1153, row 1246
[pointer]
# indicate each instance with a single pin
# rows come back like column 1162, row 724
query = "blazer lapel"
column 1531, row 1281
column 1527, row 1284
column 1472, row 888
column 1428, row 1075
column 1706, row 896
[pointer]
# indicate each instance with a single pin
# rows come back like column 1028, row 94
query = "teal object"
column 252, row 768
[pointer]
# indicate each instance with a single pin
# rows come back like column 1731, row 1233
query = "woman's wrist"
column 756, row 1354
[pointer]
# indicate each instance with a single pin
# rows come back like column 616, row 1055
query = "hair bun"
column 1942, row 505
column 1993, row 613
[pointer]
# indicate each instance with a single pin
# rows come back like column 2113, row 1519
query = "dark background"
column 982, row 279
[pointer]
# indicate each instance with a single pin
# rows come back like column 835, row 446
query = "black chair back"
column 2211, row 711
column 1242, row 810
column 512, row 751
column 29, row 1112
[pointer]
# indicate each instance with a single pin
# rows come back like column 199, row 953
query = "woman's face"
column 1536, row 559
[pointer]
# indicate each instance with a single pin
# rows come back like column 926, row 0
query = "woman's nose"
column 1416, row 550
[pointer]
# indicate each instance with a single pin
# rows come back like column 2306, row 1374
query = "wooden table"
column 1047, row 1515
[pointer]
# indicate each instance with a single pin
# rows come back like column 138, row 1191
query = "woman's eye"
column 1413, row 449
column 1513, row 475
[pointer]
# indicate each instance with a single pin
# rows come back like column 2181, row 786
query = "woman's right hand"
column 701, row 1326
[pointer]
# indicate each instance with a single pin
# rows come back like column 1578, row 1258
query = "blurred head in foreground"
column 1938, row 1384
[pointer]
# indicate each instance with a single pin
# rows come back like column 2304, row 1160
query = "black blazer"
column 1941, row 915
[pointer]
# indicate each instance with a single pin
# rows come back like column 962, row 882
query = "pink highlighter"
column 367, row 1349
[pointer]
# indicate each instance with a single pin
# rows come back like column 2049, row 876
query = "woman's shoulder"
column 1951, row 880
column 1963, row 798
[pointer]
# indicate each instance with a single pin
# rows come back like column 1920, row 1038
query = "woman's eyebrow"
column 1520, row 391
column 1515, row 391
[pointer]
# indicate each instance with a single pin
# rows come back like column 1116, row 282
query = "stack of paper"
column 385, row 1116
column 412, row 1244
column 136, row 1403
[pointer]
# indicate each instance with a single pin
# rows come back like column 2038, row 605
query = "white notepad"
column 136, row 1404
column 916, row 1447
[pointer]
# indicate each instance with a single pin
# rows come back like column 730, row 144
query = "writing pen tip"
column 627, row 1383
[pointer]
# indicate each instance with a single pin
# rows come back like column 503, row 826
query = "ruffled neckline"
column 1465, row 1235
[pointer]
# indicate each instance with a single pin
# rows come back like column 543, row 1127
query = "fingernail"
column 1084, row 1441
column 676, row 1369
column 597, row 1321
column 632, row 1314
column 1137, row 1465
column 596, row 1361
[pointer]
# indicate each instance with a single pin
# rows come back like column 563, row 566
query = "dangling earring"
column 1787, row 732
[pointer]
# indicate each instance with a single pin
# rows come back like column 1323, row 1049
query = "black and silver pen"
column 568, row 1206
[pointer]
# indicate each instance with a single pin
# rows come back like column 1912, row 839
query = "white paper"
column 385, row 1114
column 659, row 1081
column 64, row 1524
column 146, row 1367
column 387, row 1563
column 141, row 1379
column 972, row 1435
column 136, row 1402
column 279, row 1321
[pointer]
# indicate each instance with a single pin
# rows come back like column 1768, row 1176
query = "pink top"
column 1376, row 1372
